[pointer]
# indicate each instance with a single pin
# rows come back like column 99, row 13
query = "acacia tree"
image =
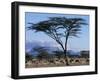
column 42, row 53
column 59, row 29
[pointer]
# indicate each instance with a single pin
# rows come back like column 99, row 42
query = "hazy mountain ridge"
column 49, row 46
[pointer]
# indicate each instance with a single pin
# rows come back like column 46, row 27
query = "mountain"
column 49, row 46
column 30, row 45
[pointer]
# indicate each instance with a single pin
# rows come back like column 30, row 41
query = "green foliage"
column 28, row 57
column 59, row 54
column 42, row 53
column 84, row 54
column 50, row 27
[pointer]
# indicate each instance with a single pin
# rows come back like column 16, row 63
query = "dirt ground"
column 35, row 63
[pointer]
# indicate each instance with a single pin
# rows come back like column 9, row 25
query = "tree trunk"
column 66, row 57
column 65, row 51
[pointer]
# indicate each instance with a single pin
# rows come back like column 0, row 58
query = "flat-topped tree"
column 58, row 28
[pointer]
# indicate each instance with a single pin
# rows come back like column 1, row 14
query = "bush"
column 28, row 57
column 59, row 54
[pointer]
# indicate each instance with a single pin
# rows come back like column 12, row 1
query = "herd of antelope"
column 56, row 62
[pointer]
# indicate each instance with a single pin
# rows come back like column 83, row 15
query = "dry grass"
column 34, row 63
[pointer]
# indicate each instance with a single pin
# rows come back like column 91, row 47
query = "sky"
column 76, row 44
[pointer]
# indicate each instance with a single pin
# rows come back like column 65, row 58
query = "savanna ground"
column 55, row 62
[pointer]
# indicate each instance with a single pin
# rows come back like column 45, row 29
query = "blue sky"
column 81, row 43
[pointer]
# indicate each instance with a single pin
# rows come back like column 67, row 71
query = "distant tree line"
column 44, row 54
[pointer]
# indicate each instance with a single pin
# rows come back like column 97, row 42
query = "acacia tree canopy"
column 58, row 28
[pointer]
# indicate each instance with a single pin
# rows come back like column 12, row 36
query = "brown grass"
column 34, row 63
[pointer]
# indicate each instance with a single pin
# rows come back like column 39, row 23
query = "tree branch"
column 52, row 35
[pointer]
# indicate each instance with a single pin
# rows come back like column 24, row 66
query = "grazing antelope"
column 77, row 61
